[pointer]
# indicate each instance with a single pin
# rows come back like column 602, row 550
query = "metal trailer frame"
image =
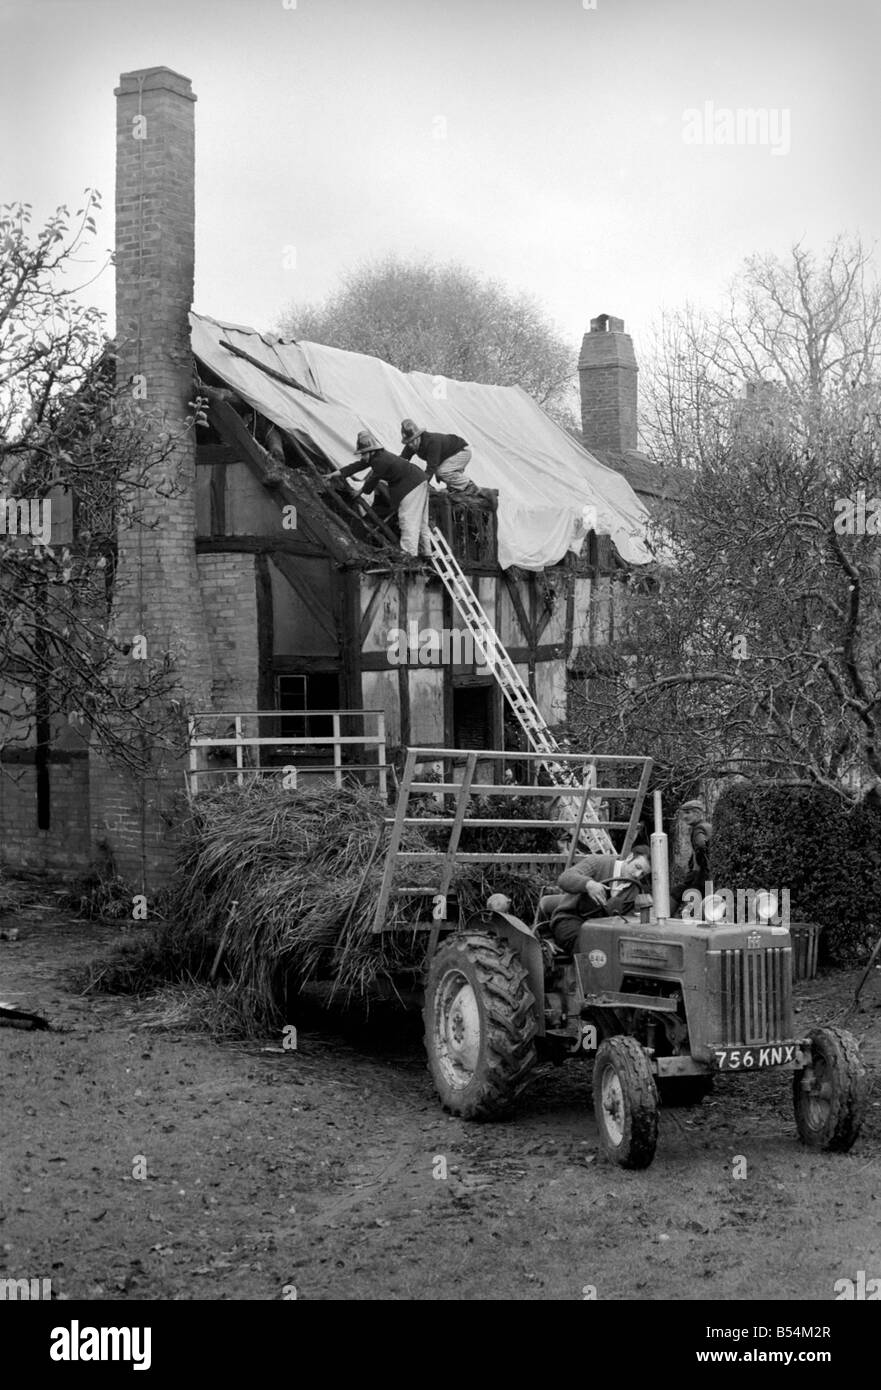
column 587, row 763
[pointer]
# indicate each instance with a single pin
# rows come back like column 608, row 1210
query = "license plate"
column 752, row 1058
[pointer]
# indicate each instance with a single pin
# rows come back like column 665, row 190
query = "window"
column 473, row 715
column 319, row 690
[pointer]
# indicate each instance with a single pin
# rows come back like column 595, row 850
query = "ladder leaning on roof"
column 495, row 656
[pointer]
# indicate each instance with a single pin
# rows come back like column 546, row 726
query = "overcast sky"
column 540, row 141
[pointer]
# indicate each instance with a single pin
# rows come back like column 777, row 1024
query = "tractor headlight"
column 766, row 905
column 715, row 907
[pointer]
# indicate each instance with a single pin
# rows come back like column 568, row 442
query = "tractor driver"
column 589, row 889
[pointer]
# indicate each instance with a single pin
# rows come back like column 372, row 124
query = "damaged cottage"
column 276, row 587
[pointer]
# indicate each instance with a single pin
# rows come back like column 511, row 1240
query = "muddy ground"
column 315, row 1170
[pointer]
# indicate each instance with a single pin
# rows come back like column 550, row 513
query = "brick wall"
column 66, row 844
column 230, row 601
column 607, row 374
column 156, row 591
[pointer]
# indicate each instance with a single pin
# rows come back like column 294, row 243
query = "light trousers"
column 452, row 471
column 413, row 520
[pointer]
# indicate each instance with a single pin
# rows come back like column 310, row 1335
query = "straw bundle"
column 289, row 881
column 278, row 889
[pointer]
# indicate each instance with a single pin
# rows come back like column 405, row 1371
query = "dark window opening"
column 318, row 691
column 473, row 715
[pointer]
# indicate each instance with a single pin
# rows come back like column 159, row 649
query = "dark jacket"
column 600, row 868
column 399, row 475
column 435, row 449
column 700, row 849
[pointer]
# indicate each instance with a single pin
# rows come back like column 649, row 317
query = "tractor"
column 660, row 1005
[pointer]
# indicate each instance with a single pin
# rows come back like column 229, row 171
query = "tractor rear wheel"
column 625, row 1101
column 480, row 1026
column 830, row 1096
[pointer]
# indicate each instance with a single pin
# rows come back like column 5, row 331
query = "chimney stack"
column 155, row 233
column 607, row 374
column 156, row 592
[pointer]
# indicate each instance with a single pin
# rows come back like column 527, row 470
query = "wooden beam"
column 270, row 371
column 305, row 665
column 403, row 674
column 379, row 593
column 348, row 587
column 516, row 599
column 277, row 478
column 521, row 656
column 265, row 634
column 217, row 499
column 541, row 621
column 449, row 617
column 284, row 544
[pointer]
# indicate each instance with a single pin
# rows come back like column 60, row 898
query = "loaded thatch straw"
column 278, row 889
column 288, row 881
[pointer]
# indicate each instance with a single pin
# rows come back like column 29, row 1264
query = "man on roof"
column 446, row 457
column 407, row 489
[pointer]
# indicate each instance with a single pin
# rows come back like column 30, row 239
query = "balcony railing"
column 248, row 749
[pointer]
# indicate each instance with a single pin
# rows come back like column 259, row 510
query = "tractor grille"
column 756, row 995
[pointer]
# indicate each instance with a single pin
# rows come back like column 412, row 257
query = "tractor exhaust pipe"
column 660, row 867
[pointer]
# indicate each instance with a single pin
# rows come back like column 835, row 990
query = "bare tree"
column 445, row 320
column 799, row 332
column 753, row 643
column 74, row 444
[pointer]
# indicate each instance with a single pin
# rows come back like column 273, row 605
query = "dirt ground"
column 317, row 1173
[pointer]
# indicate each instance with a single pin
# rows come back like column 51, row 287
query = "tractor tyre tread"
column 640, row 1140
column 509, row 1053
column 849, row 1080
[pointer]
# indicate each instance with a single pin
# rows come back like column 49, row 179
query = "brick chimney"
column 607, row 373
column 156, row 587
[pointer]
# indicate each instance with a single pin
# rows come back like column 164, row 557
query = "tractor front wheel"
column 830, row 1095
column 480, row 1026
column 625, row 1101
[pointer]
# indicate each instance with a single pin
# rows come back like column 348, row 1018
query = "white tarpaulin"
column 544, row 478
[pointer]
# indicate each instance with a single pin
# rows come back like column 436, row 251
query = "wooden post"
column 450, row 856
column 394, row 841
column 337, row 753
column 194, row 763
column 381, row 755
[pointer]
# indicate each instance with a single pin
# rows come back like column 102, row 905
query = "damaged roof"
column 544, row 477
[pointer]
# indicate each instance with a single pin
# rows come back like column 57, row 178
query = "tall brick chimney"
column 156, row 587
column 607, row 374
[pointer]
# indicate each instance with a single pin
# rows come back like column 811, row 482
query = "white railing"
column 200, row 746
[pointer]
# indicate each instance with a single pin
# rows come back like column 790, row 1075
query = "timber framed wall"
column 287, row 606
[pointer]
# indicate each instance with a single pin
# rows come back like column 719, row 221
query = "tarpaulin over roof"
column 544, row 478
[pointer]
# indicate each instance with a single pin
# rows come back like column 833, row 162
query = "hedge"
column 806, row 839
